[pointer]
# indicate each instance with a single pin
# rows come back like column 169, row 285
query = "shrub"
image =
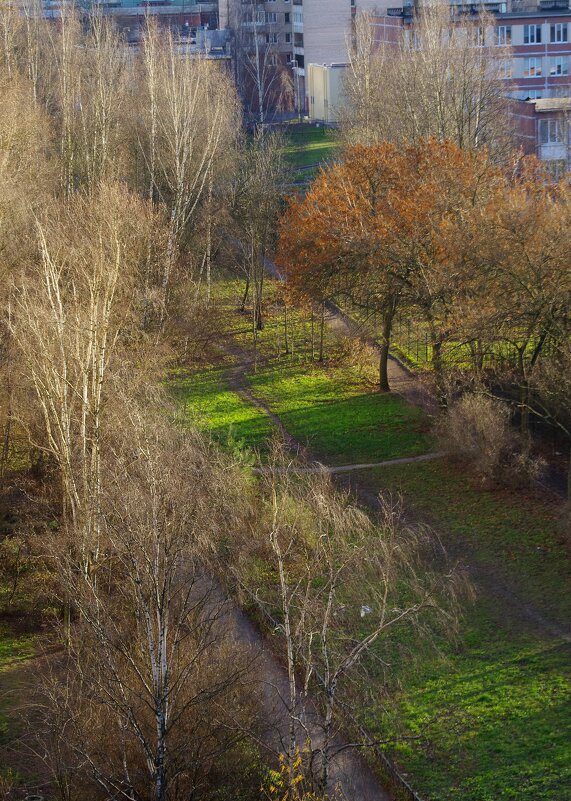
column 477, row 428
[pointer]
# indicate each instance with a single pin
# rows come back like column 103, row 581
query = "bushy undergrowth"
column 478, row 430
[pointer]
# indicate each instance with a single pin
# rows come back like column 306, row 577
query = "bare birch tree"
column 26, row 180
column 64, row 68
column 341, row 584
column 153, row 678
column 189, row 120
column 255, row 202
column 102, row 99
column 259, row 75
column 441, row 79
column 68, row 317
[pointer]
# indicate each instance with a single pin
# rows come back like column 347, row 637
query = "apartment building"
column 544, row 127
column 185, row 17
column 538, row 33
column 541, row 50
column 537, row 73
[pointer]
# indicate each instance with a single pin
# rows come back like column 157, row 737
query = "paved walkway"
column 350, row 773
column 348, row 468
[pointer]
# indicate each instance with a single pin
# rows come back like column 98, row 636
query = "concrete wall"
column 324, row 89
column 326, row 27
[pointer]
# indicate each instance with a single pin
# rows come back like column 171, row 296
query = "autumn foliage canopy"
column 438, row 231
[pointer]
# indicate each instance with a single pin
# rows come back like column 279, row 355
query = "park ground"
column 484, row 715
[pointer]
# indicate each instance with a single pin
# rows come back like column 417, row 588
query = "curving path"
column 348, row 468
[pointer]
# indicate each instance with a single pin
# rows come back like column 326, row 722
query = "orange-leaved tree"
column 341, row 240
column 381, row 228
column 524, row 267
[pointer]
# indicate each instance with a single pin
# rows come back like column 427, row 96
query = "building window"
column 286, row 17
column 476, row 36
column 298, row 40
column 559, row 65
column 271, row 16
column 288, row 38
column 531, row 67
column 559, row 32
column 532, row 34
column 505, row 69
column 503, row 35
column 556, row 168
column 533, row 94
column 298, row 17
column 271, row 38
column 272, row 60
column 551, row 132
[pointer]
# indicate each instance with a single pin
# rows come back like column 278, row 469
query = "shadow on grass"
column 339, row 423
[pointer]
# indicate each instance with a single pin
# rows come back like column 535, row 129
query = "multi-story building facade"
column 300, row 32
column 184, row 16
column 540, row 41
column 536, row 69
column 538, row 35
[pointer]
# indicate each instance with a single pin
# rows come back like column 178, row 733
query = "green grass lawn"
column 212, row 405
column 309, row 145
column 493, row 717
column 338, row 417
column 490, row 719
column 13, row 650
column 515, row 536
column 489, row 713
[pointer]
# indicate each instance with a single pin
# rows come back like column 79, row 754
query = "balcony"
column 406, row 11
column 554, row 5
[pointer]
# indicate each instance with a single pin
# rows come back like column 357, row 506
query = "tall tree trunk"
column 286, row 338
column 327, row 737
column 312, row 334
column 209, row 236
column 437, row 368
column 246, row 293
column 7, row 432
column 524, row 410
column 260, row 288
column 384, row 347
column 523, row 396
column 321, row 331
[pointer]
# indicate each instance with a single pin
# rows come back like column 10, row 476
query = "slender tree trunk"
column 387, row 324
column 524, row 410
column 7, row 433
column 259, row 291
column 286, row 339
column 523, row 396
column 246, row 293
column 255, row 340
column 437, row 368
column 321, row 331
column 209, row 236
column 287, row 629
column 327, row 736
column 312, row 334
